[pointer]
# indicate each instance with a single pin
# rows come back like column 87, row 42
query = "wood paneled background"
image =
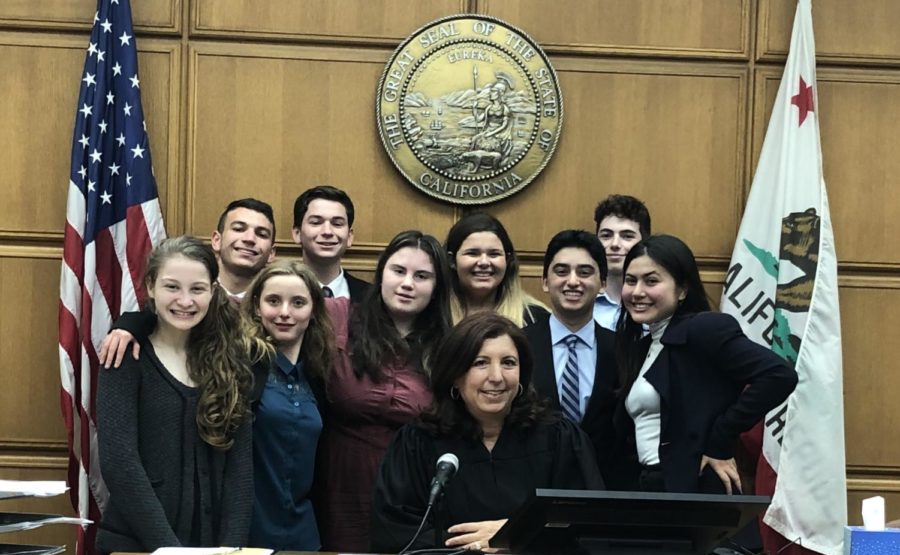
column 667, row 100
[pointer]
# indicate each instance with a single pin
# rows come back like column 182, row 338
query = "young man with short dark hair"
column 622, row 222
column 323, row 227
column 574, row 362
column 244, row 241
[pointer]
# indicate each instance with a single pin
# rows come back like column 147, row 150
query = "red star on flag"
column 803, row 100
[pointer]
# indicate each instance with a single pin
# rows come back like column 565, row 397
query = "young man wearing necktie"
column 323, row 227
column 574, row 364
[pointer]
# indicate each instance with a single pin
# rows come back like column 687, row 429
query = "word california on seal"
column 469, row 109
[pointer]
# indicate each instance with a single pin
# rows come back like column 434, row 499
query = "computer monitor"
column 626, row 523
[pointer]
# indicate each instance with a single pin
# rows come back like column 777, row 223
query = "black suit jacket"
column 713, row 383
column 597, row 421
column 356, row 286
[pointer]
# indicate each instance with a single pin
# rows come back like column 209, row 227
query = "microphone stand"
column 436, row 514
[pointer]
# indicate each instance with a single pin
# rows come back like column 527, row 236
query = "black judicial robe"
column 489, row 485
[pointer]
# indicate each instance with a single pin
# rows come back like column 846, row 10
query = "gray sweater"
column 167, row 486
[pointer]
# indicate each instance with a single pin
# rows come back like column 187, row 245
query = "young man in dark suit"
column 574, row 363
column 323, row 227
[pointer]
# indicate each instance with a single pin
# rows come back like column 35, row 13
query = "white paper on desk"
column 210, row 551
column 9, row 488
column 32, row 524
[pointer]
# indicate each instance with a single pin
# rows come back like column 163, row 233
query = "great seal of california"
column 469, row 109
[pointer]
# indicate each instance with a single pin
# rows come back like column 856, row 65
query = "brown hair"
column 217, row 358
column 318, row 348
column 455, row 355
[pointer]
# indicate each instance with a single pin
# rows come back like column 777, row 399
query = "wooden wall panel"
column 671, row 134
column 149, row 15
column 29, row 354
column 270, row 122
column 40, row 77
column 646, row 27
column 868, row 318
column 863, row 31
column 859, row 114
column 160, row 64
column 382, row 21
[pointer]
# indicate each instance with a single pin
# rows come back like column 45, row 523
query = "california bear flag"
column 782, row 286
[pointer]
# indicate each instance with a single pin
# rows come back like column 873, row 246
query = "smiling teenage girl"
column 695, row 382
column 285, row 309
column 380, row 379
column 174, row 424
column 485, row 272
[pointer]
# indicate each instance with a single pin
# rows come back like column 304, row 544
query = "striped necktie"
column 570, row 400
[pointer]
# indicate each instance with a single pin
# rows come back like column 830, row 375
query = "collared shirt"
column 235, row 298
column 285, row 435
column 606, row 311
column 338, row 286
column 586, row 350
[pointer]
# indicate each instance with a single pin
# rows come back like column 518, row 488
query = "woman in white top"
column 695, row 382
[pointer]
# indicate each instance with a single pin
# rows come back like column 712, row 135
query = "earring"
column 521, row 390
column 454, row 393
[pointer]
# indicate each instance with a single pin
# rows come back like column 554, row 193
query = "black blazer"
column 597, row 421
column 714, row 383
column 356, row 286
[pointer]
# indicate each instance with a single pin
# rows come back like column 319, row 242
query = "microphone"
column 447, row 465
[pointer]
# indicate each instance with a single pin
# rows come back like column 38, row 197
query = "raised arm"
column 130, row 328
column 767, row 378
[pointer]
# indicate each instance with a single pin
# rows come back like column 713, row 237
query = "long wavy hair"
column 217, row 359
column 510, row 299
column 317, row 349
column 375, row 341
column 449, row 417
column 675, row 257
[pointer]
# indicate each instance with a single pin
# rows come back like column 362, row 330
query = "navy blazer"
column 714, row 383
column 356, row 286
column 597, row 421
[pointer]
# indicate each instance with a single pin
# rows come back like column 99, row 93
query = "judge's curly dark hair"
column 452, row 361
column 217, row 352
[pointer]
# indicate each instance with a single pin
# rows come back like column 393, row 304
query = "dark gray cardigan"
column 156, row 466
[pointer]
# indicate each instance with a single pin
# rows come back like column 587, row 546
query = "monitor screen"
column 626, row 523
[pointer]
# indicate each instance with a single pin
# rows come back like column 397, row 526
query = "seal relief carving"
column 469, row 109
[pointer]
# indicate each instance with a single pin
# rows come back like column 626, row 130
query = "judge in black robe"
column 499, row 466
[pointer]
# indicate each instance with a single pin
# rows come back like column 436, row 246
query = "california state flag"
column 782, row 286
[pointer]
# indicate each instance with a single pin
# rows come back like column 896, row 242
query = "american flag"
column 113, row 220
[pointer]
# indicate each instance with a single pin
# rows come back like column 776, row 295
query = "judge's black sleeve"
column 489, row 485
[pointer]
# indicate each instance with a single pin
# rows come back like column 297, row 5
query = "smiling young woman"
column 173, row 423
column 485, row 272
column 385, row 347
column 284, row 310
column 694, row 383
